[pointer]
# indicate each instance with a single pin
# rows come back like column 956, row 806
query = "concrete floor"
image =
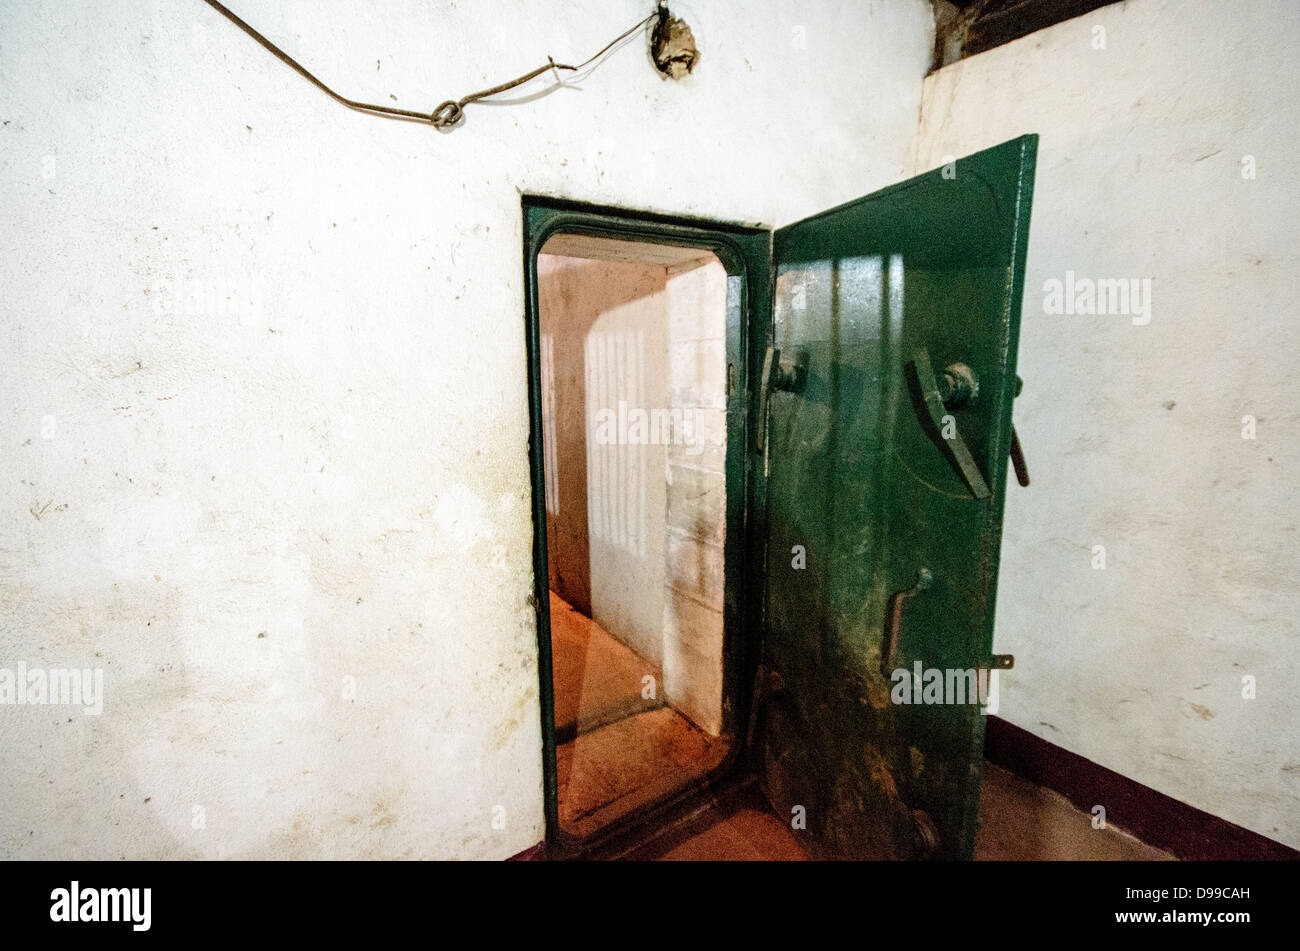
column 1018, row 822
column 618, row 752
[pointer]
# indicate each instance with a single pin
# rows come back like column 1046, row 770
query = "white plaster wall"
column 1133, row 434
column 321, row 436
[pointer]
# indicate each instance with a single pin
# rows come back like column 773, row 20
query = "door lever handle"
column 959, row 386
column 777, row 375
column 1018, row 459
column 894, row 619
column 1017, row 453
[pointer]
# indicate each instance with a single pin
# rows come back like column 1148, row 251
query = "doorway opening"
column 634, row 392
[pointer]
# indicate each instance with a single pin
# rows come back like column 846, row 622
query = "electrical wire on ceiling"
column 451, row 112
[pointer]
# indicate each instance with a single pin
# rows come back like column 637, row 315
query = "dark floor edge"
column 1156, row 819
column 534, row 853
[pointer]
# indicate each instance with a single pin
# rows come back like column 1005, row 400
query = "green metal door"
column 887, row 405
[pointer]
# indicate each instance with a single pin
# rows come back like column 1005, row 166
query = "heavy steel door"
column 884, row 428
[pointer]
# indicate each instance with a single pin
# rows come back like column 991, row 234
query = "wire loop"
column 447, row 114
column 452, row 111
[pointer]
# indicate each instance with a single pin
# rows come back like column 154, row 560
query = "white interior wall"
column 265, row 447
column 1133, row 430
column 608, row 324
column 627, row 373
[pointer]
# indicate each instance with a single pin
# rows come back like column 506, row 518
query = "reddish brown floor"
column 620, row 752
column 616, row 750
column 738, row 826
column 1018, row 822
column 597, row 679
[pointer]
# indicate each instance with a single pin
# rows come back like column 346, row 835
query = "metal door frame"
column 745, row 252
